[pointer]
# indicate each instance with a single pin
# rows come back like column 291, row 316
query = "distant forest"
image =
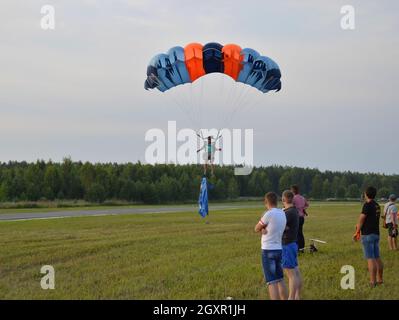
column 166, row 183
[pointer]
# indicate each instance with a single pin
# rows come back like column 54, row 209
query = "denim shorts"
column 371, row 246
column 272, row 269
column 290, row 256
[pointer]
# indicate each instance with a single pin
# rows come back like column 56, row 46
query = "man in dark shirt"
column 290, row 246
column 369, row 227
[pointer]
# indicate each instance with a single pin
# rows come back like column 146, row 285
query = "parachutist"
column 209, row 154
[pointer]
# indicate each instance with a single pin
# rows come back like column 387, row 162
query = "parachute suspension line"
column 235, row 105
column 192, row 106
column 247, row 99
column 184, row 96
column 185, row 111
column 221, row 86
column 201, row 101
column 252, row 100
column 222, row 115
column 221, row 99
column 255, row 101
column 244, row 102
column 241, row 101
column 248, row 107
column 172, row 99
column 192, row 102
column 217, row 112
column 237, row 102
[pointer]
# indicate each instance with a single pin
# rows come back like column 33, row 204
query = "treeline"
column 142, row 183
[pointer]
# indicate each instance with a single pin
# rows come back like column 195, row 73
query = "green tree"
column 383, row 192
column 165, row 189
column 317, row 187
column 335, row 186
column 326, row 189
column 95, row 193
column 128, row 191
column 341, row 192
column 3, row 192
column 184, row 187
column 232, row 189
column 52, row 182
column 285, row 182
column 71, row 183
column 150, row 194
column 353, row 191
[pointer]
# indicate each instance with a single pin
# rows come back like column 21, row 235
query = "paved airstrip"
column 114, row 211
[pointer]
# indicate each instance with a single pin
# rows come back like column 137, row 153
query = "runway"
column 114, row 211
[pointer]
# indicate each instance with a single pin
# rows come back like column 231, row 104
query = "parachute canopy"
column 185, row 65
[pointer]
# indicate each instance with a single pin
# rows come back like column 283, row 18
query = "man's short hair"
column 271, row 198
column 371, row 192
column 295, row 189
column 393, row 197
column 288, row 196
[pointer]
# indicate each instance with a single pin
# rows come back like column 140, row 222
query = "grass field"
column 178, row 256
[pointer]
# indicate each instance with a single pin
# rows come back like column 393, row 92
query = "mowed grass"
column 178, row 256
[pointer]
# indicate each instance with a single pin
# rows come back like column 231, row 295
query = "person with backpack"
column 391, row 222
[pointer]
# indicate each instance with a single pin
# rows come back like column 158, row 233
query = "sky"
column 78, row 91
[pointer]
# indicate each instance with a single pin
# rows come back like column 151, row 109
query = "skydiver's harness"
column 209, row 145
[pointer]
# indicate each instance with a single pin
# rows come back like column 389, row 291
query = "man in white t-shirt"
column 391, row 222
column 272, row 226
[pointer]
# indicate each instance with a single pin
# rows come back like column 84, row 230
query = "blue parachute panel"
column 249, row 56
column 271, row 79
column 180, row 74
column 152, row 78
column 258, row 73
column 164, row 70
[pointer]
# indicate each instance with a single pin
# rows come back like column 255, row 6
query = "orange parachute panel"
column 194, row 61
column 232, row 60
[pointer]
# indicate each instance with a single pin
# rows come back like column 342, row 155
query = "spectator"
column 301, row 204
column 369, row 228
column 290, row 246
column 391, row 221
column 271, row 226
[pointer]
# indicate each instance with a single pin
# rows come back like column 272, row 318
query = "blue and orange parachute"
column 185, row 65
